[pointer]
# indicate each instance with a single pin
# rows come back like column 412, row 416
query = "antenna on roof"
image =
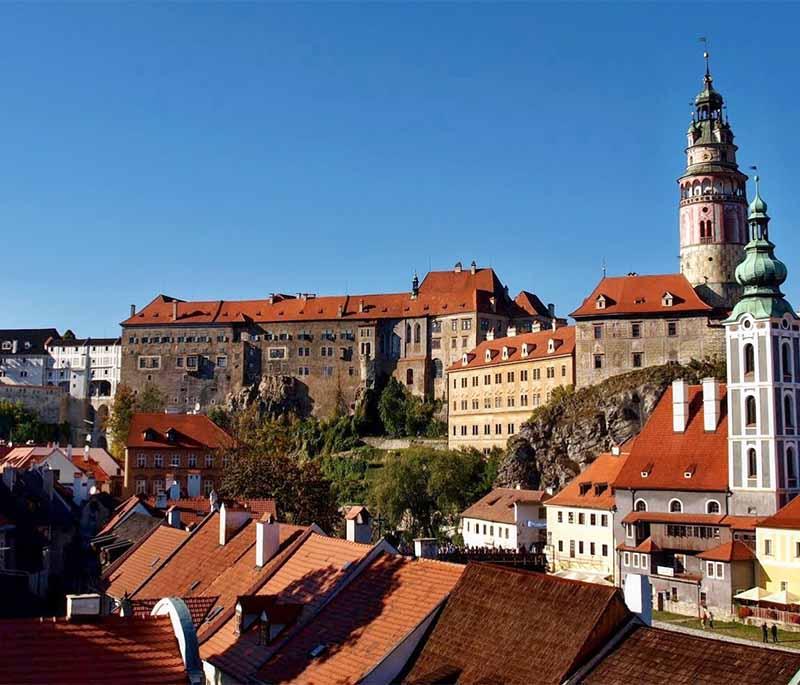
column 604, row 267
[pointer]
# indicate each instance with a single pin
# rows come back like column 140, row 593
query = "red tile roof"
column 655, row 656
column 531, row 304
column 498, row 505
column 787, row 516
column 307, row 575
column 593, row 487
column 104, row 650
column 516, row 627
column 195, row 509
column 564, row 341
column 364, row 622
column 730, row 551
column 742, row 522
column 138, row 563
column 192, row 431
column 666, row 455
column 120, row 513
column 641, row 295
column 198, row 607
column 668, row 517
column 440, row 293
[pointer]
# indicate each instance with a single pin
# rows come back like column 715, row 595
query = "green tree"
column 151, row 399
column 126, row 404
column 392, row 408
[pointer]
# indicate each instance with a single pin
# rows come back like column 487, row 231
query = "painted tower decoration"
column 713, row 202
column 763, row 346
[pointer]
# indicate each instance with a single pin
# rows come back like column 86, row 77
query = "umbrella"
column 782, row 597
column 753, row 594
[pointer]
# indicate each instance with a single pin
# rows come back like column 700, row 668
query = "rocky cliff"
column 273, row 395
column 563, row 437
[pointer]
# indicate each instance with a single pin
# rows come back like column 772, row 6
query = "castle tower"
column 713, row 202
column 762, row 336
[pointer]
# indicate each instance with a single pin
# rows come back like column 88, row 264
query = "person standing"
column 703, row 620
column 764, row 633
column 774, row 632
column 711, row 620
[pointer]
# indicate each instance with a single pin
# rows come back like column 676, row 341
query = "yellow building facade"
column 495, row 387
column 778, row 550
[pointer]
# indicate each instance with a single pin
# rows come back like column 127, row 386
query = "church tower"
column 762, row 337
column 713, row 202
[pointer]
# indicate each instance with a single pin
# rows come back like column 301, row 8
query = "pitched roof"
column 198, row 607
column 121, row 513
column 307, row 576
column 25, row 341
column 787, row 516
column 440, row 293
column 104, row 650
column 515, row 627
column 593, row 487
column 666, row 456
column 195, row 509
column 641, row 295
column 531, row 304
column 364, row 622
column 128, row 572
column 191, row 431
column 730, row 551
column 28, row 456
column 498, row 505
column 655, row 656
column 537, row 344
column 670, row 517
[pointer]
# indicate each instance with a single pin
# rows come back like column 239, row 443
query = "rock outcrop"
column 273, row 395
column 563, row 437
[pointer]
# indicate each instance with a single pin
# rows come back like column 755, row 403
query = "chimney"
column 680, row 405
column 551, row 310
column 69, row 452
column 230, row 520
column 77, row 488
column 425, row 548
column 9, row 477
column 83, row 605
column 174, row 490
column 133, row 310
column 490, row 334
column 361, row 305
column 458, row 268
column 174, row 310
column 554, row 324
column 161, row 500
column 48, row 482
column 340, row 311
column 639, row 596
column 512, row 331
column 125, row 606
column 174, row 517
column 213, row 501
column 473, row 267
column 86, row 453
column 268, row 539
column 710, row 404
column 359, row 527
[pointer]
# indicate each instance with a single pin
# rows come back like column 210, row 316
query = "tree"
column 126, row 404
column 151, row 399
column 392, row 408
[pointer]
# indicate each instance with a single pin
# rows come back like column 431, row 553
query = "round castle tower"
column 713, row 203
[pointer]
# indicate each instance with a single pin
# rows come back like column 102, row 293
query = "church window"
column 752, row 463
column 749, row 360
column 750, row 411
column 408, row 333
column 786, row 361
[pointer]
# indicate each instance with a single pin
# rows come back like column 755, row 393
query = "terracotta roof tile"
column 654, row 656
column 191, row 431
column 498, row 505
column 120, row 513
column 592, row 487
column 364, row 622
column 104, row 650
column 640, row 295
column 198, row 607
column 564, row 341
column 128, row 572
column 730, row 551
column 666, row 455
column 670, row 517
column 516, row 627
column 787, row 516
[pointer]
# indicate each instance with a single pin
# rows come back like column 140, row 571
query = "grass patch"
column 730, row 628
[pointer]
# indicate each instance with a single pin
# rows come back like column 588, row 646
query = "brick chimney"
column 230, row 521
column 680, row 405
column 268, row 539
column 710, row 404
column 174, row 310
column 133, row 310
column 361, row 305
column 174, row 518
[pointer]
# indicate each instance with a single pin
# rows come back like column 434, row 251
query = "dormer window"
column 667, row 299
column 689, row 471
column 600, row 488
column 551, row 346
column 6, row 344
column 647, row 470
column 149, row 435
column 584, row 488
column 464, row 360
column 600, row 302
column 505, row 352
column 524, row 349
column 172, row 435
column 488, row 355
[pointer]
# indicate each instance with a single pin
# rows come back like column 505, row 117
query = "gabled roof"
column 516, row 627
column 365, row 621
column 666, row 455
column 133, row 568
column 498, row 505
column 787, row 516
column 198, row 607
column 192, row 431
column 537, row 344
column 140, row 651
column 305, row 575
column 21, row 342
column 125, row 508
column 593, row 487
column 730, row 551
column 440, row 293
column 531, row 304
column 655, row 656
column 641, row 295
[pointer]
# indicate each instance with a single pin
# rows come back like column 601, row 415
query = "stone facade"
column 334, row 348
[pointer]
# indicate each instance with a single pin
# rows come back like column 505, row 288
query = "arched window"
column 438, row 368
column 675, row 506
column 408, row 333
column 712, row 507
column 786, row 361
column 417, row 332
column 409, row 376
column 791, row 468
column 749, row 360
column 752, row 463
column 750, row 411
column 788, row 411
column 640, row 505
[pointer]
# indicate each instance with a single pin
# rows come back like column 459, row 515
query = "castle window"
column 417, row 333
column 598, row 361
column 640, row 505
column 637, row 360
column 791, row 468
column 408, row 333
column 410, row 377
column 672, row 328
column 786, row 361
column 438, row 368
column 712, row 507
column 636, row 329
column 600, row 302
column 598, row 332
column 750, row 411
column 788, row 412
column 749, row 361
column 675, row 506
column 752, row 463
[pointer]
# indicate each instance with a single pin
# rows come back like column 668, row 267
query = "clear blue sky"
column 231, row 150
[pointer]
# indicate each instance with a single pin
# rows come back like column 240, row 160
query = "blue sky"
column 232, row 150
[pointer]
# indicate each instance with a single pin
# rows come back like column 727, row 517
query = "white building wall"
column 575, row 543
